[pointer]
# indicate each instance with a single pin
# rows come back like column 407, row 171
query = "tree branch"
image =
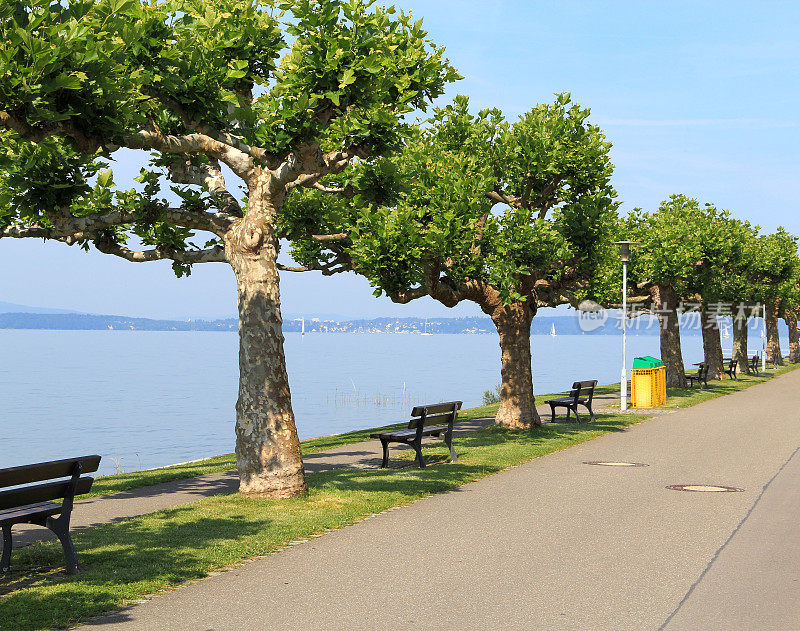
column 405, row 296
column 501, row 198
column 543, row 202
column 328, row 238
column 38, row 134
column 238, row 161
column 65, row 224
column 340, row 263
column 308, row 164
column 261, row 155
column 210, row 177
column 347, row 191
column 214, row 254
column 480, row 228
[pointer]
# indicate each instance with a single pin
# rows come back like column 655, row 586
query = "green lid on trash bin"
column 647, row 362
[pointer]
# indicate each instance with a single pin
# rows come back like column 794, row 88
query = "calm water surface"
column 147, row 399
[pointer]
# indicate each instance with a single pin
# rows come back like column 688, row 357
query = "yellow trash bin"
column 648, row 382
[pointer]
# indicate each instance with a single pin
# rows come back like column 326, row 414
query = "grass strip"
column 128, row 560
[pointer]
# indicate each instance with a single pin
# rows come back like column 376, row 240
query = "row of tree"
column 305, row 102
column 702, row 256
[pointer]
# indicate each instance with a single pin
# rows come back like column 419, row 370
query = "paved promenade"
column 553, row 544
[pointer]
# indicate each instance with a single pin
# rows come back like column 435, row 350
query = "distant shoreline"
column 542, row 325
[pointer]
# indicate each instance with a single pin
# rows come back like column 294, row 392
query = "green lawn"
column 135, row 479
column 144, row 555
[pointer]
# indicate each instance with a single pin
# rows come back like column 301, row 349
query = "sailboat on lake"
column 553, row 330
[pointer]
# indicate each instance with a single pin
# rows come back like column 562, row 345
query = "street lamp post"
column 764, row 341
column 625, row 257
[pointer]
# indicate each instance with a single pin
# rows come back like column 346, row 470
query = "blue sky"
column 698, row 97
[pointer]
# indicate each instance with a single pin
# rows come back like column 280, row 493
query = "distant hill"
column 10, row 307
column 87, row 322
column 542, row 325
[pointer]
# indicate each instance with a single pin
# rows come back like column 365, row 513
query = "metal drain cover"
column 704, row 488
column 601, row 463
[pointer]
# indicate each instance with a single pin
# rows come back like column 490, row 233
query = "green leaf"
column 63, row 82
column 106, row 179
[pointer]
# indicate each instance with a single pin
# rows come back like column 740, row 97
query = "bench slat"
column 430, row 420
column 437, row 408
column 14, row 498
column 410, row 433
column 25, row 474
column 22, row 513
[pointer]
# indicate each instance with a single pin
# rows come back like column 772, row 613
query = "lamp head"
column 625, row 249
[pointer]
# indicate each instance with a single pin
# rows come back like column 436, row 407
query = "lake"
column 148, row 399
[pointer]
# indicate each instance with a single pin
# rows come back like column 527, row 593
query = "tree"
column 738, row 290
column 764, row 272
column 509, row 216
column 790, row 307
column 715, row 283
column 773, row 275
column 280, row 93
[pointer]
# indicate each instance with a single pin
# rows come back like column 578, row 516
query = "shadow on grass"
column 475, row 459
column 169, row 548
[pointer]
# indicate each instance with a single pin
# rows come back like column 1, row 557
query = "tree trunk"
column 268, row 453
column 712, row 346
column 665, row 301
column 517, row 403
column 773, row 340
column 794, row 337
column 740, row 344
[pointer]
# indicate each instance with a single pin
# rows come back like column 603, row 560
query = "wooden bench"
column 701, row 376
column 731, row 369
column 34, row 503
column 754, row 362
column 581, row 394
column 423, row 423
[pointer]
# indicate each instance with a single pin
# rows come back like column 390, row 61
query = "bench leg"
column 591, row 412
column 448, row 440
column 418, row 448
column 5, row 562
column 552, row 413
column 60, row 527
column 577, row 416
column 385, row 461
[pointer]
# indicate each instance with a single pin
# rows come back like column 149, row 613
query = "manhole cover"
column 704, row 488
column 601, row 463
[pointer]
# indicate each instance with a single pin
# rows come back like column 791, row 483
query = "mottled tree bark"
column 740, row 344
column 790, row 317
column 665, row 301
column 517, row 402
column 712, row 346
column 267, row 448
column 773, row 340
